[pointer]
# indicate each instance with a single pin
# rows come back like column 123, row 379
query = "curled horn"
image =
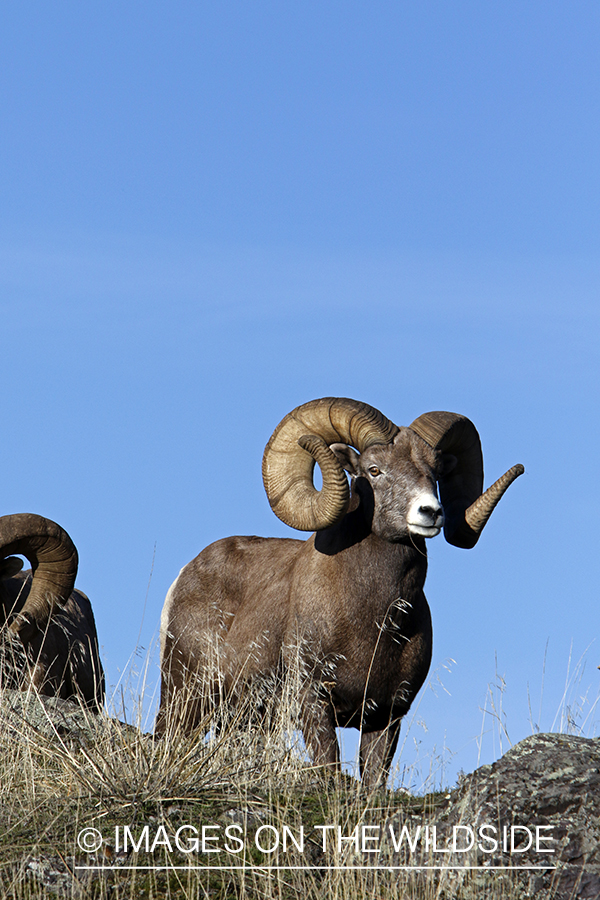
column 466, row 508
column 53, row 560
column 302, row 438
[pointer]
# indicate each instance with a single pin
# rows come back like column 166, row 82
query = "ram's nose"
column 426, row 516
column 431, row 512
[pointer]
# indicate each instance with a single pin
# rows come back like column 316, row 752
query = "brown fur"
column 352, row 594
column 60, row 660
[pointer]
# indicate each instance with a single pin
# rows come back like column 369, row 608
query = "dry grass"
column 240, row 772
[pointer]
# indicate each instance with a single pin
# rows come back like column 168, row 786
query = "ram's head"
column 396, row 471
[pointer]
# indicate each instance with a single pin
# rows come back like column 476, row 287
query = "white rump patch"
column 165, row 616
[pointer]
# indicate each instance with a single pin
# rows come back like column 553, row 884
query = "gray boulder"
column 26, row 714
column 542, row 795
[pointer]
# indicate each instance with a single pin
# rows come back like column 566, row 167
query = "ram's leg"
column 377, row 752
column 48, row 664
column 318, row 728
column 187, row 696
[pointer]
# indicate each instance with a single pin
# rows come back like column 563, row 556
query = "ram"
column 351, row 596
column 49, row 636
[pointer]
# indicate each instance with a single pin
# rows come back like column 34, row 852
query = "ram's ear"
column 347, row 457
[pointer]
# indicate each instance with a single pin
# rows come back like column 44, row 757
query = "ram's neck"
column 354, row 529
column 352, row 543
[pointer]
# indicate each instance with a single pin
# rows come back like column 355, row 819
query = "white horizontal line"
column 116, row 868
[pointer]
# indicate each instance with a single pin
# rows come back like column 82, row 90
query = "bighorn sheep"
column 353, row 592
column 58, row 648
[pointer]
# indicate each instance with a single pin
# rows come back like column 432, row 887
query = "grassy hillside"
column 95, row 808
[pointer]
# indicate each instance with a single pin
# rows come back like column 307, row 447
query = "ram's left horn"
column 479, row 512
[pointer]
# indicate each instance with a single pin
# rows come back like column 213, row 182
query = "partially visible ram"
column 49, row 638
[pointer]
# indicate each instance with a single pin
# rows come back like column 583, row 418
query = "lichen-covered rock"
column 27, row 714
column 531, row 818
column 552, row 781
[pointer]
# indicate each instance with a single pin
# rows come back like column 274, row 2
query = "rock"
column 543, row 794
column 27, row 714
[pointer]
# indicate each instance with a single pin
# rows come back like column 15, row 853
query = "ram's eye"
column 374, row 471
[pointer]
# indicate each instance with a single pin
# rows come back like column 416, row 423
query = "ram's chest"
column 373, row 650
column 363, row 615
column 371, row 647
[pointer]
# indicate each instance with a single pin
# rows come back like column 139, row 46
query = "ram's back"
column 231, row 596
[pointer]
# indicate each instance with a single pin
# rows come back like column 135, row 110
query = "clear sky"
column 213, row 212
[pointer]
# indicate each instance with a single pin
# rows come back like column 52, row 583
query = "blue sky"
column 210, row 213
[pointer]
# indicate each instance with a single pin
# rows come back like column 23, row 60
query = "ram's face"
column 399, row 481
